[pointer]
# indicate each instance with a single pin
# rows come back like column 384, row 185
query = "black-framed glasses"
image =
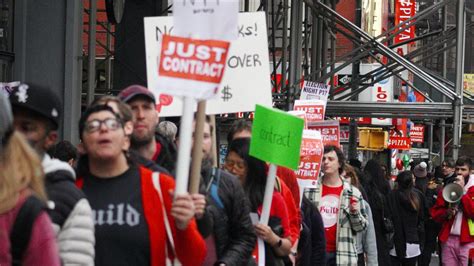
column 110, row 123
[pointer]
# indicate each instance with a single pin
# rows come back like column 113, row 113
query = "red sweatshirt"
column 438, row 212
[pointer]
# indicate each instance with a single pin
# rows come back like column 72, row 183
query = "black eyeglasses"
column 110, row 123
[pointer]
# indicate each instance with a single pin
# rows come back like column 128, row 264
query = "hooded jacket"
column 70, row 213
column 438, row 212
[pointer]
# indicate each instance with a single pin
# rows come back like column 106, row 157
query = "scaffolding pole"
column 458, row 102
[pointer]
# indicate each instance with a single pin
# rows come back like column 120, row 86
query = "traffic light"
column 371, row 138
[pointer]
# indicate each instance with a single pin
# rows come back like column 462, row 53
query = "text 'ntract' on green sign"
column 276, row 137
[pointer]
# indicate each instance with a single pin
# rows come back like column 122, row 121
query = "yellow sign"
column 469, row 83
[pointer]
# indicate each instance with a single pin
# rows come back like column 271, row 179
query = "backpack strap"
column 22, row 227
column 214, row 189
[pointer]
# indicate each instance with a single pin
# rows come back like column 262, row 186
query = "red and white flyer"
column 190, row 67
column 314, row 109
column 310, row 155
column 329, row 131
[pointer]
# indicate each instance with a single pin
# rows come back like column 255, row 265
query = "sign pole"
column 267, row 199
column 197, row 148
column 184, row 149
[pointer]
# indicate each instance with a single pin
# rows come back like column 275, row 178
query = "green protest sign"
column 276, row 137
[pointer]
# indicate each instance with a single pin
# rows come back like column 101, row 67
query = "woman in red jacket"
column 128, row 204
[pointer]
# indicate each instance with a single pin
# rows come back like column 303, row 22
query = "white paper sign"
column 314, row 90
column 303, row 184
column 197, row 19
column 246, row 80
column 7, row 87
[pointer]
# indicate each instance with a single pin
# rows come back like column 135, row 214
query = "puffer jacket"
column 231, row 226
column 70, row 213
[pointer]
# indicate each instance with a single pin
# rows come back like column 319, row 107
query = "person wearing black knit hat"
column 36, row 114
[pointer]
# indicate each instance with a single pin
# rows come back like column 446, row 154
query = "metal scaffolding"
column 302, row 45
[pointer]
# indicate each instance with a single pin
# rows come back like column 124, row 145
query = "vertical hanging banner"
column 383, row 92
column 329, row 131
column 314, row 90
column 314, row 109
column 310, row 155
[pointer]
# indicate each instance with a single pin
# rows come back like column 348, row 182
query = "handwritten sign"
column 314, row 90
column 314, row 109
column 246, row 81
column 329, row 131
column 417, row 133
column 276, row 137
column 310, row 155
column 197, row 19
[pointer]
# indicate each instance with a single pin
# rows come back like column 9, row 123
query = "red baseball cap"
column 133, row 91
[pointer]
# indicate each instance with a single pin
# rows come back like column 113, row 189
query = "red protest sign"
column 329, row 131
column 314, row 109
column 311, row 154
column 399, row 143
column 200, row 60
column 417, row 133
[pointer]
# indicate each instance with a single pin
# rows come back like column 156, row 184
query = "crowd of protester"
column 110, row 200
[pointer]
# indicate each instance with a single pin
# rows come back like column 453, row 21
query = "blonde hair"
column 20, row 169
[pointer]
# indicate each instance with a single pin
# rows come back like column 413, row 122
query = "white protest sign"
column 246, row 80
column 197, row 19
column 314, row 90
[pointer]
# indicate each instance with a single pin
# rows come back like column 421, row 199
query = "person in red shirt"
column 455, row 237
column 340, row 206
column 128, row 202
column 252, row 173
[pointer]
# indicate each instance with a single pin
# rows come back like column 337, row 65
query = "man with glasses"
column 225, row 221
column 455, row 236
column 36, row 112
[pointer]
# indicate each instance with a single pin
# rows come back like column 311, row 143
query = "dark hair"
column 238, row 126
column 256, row 178
column 95, row 109
column 355, row 163
column 405, row 188
column 461, row 161
column 64, row 151
column 340, row 156
column 449, row 162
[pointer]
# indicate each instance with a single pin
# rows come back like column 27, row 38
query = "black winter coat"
column 231, row 226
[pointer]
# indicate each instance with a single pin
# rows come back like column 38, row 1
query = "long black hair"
column 256, row 178
column 375, row 184
column 406, row 192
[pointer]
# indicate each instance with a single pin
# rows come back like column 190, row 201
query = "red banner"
column 311, row 154
column 404, row 10
column 417, row 133
column 399, row 143
column 329, row 132
column 200, row 60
